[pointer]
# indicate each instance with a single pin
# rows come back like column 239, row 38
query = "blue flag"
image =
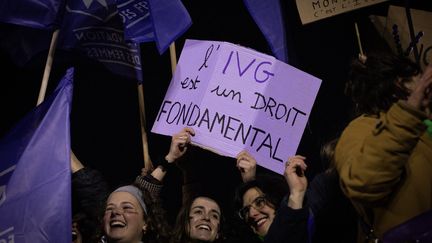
column 94, row 28
column 41, row 14
column 268, row 16
column 417, row 229
column 161, row 21
column 35, row 174
column 23, row 43
column 35, row 19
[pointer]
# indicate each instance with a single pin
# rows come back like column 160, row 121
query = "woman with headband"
column 133, row 216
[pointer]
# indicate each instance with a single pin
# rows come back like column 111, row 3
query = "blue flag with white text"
column 94, row 28
column 268, row 16
column 161, row 21
column 35, row 174
column 40, row 14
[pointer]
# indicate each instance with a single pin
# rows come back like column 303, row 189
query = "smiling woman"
column 133, row 216
column 200, row 218
column 124, row 215
column 273, row 210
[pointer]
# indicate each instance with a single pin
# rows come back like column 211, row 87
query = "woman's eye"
column 260, row 202
column 128, row 209
column 197, row 212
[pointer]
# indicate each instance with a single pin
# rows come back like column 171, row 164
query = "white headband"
column 135, row 192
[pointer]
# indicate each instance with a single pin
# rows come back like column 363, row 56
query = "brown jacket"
column 385, row 166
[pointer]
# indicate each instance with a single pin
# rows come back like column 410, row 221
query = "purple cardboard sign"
column 236, row 98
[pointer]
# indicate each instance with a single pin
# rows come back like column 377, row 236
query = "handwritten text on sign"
column 236, row 98
column 313, row 10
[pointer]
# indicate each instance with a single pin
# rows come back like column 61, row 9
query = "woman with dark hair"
column 89, row 193
column 199, row 220
column 271, row 205
column 384, row 156
column 322, row 214
column 378, row 81
column 200, row 217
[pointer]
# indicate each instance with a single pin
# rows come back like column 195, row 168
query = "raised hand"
column 75, row 163
column 179, row 143
column 421, row 96
column 297, row 181
column 246, row 164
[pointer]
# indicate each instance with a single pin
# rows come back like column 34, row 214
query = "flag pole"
column 148, row 164
column 173, row 57
column 48, row 66
column 358, row 38
column 411, row 31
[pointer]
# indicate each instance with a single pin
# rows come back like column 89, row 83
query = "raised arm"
column 297, row 181
column 178, row 148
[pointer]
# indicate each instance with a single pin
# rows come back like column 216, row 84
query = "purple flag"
column 35, row 174
column 94, row 28
column 417, row 229
column 36, row 20
column 23, row 43
column 161, row 21
column 268, row 17
column 41, row 14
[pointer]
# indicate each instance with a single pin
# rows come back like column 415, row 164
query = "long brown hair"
column 181, row 232
column 158, row 229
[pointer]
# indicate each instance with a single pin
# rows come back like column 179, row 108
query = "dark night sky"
column 105, row 122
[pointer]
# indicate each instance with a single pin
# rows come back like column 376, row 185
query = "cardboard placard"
column 421, row 22
column 236, row 98
column 313, row 10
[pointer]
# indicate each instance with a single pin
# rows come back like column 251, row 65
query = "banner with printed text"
column 236, row 98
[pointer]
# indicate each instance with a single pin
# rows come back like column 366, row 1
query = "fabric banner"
column 162, row 21
column 41, row 14
column 36, row 20
column 35, row 173
column 268, row 16
column 95, row 28
column 417, row 229
column 236, row 98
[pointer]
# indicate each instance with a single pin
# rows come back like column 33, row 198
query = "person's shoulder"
column 364, row 119
column 358, row 126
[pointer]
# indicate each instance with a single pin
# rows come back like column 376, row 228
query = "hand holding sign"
column 179, row 143
column 236, row 98
column 246, row 163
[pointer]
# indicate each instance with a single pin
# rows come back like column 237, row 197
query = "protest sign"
column 396, row 16
column 236, row 98
column 313, row 10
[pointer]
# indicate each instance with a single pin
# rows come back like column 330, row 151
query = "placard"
column 313, row 10
column 236, row 98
